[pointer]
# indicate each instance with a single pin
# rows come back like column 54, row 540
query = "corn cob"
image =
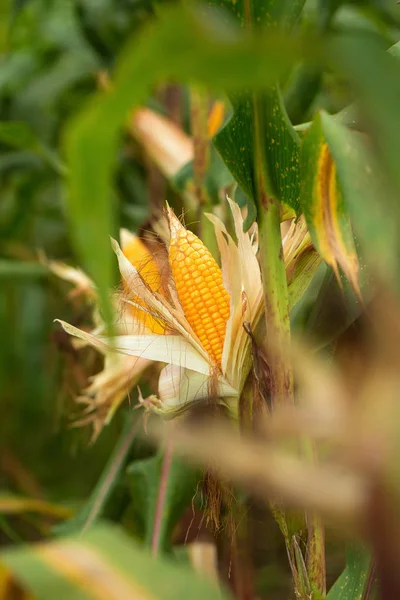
column 138, row 255
column 199, row 286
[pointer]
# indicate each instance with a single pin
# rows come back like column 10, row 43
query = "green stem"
column 276, row 306
column 309, row 576
column 316, row 568
column 277, row 328
column 275, row 300
column 280, row 518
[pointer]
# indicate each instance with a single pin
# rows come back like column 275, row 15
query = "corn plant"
column 211, row 222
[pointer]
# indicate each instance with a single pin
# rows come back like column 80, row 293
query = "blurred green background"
column 51, row 53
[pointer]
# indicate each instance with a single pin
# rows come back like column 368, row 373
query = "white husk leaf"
column 178, row 386
column 171, row 349
column 242, row 279
column 109, row 387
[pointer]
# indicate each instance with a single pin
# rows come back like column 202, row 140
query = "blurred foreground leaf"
column 105, row 563
column 374, row 74
column 9, row 588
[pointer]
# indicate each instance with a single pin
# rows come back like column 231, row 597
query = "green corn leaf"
column 351, row 583
column 20, row 269
column 333, row 308
column 302, row 275
column 104, row 563
column 17, row 6
column 338, row 189
column 365, row 61
column 363, row 184
column 144, row 477
column 395, row 50
column 263, row 116
column 305, row 83
column 324, row 207
column 94, row 507
column 19, row 135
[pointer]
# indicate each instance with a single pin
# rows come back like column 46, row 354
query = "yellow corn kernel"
column 200, row 289
column 138, row 255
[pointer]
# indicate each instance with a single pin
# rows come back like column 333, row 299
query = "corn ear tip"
column 174, row 223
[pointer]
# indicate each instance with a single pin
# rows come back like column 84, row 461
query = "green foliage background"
column 51, row 54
